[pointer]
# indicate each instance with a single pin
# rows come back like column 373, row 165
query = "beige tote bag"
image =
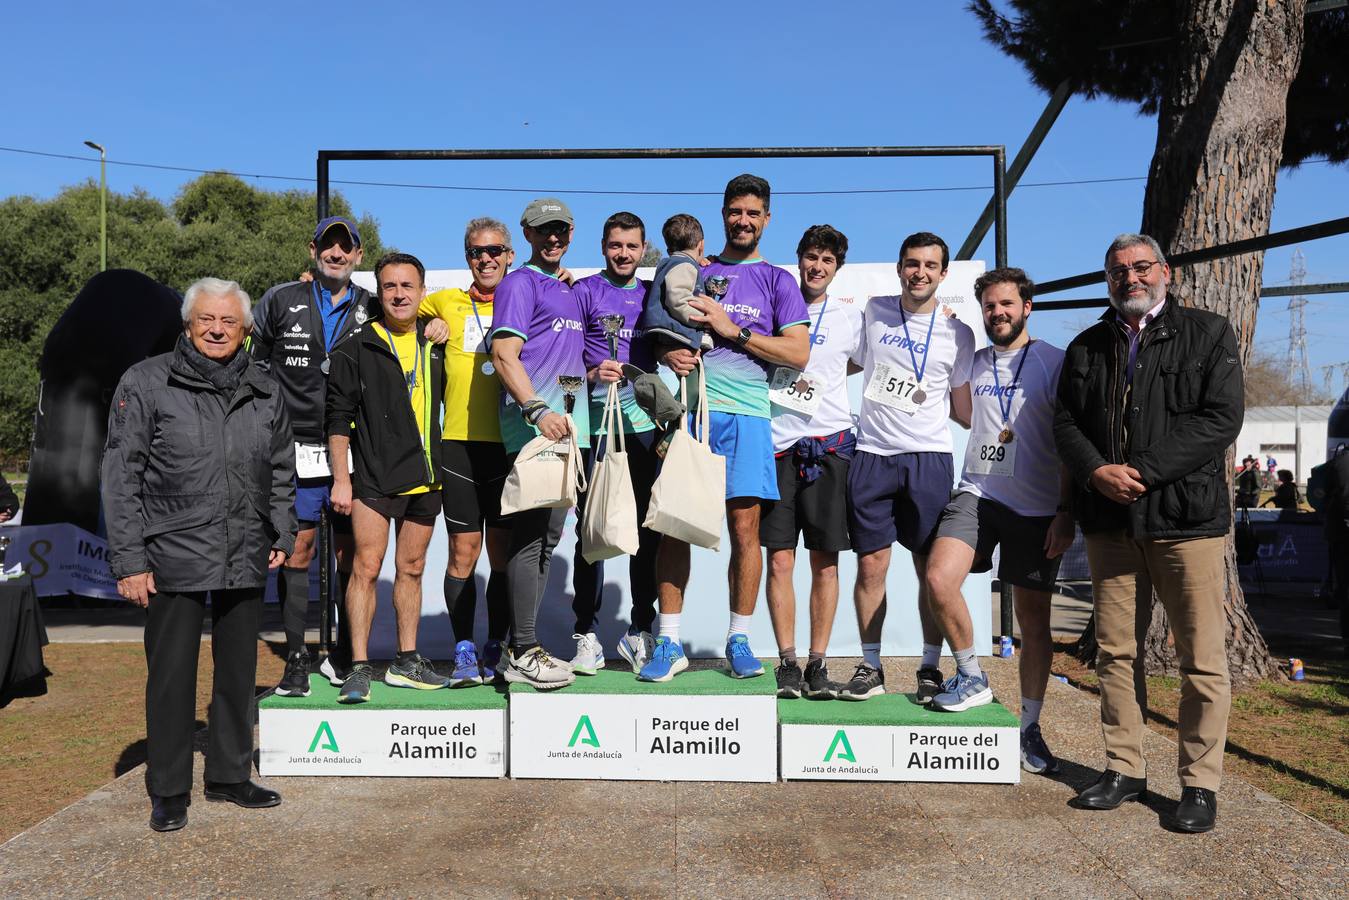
column 688, row 500
column 547, row 475
column 609, row 527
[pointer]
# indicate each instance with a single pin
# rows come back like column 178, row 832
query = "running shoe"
column 1035, row 755
column 467, row 672
column 789, row 681
column 589, row 654
column 667, row 661
column 537, row 668
column 356, row 687
column 636, row 647
column 740, row 660
column 866, row 682
column 930, row 683
column 414, row 672
column 295, row 682
column 493, row 661
column 817, row 683
column 329, row 670
column 962, row 692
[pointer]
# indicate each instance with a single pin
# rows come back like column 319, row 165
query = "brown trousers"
column 1188, row 577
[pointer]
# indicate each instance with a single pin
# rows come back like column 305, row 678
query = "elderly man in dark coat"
column 198, row 494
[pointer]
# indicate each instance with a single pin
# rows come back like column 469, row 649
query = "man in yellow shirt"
column 385, row 388
column 473, row 464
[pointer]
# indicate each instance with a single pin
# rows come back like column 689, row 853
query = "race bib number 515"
column 795, row 390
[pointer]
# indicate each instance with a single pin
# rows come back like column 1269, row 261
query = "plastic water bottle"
column 1005, row 646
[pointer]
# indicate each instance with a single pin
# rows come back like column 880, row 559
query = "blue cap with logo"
column 334, row 222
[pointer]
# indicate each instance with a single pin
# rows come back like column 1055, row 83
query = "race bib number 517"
column 895, row 388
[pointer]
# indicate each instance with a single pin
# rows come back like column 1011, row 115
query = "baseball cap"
column 652, row 396
column 545, row 210
column 333, row 222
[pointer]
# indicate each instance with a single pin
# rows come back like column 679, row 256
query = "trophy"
column 613, row 323
column 716, row 288
column 570, row 384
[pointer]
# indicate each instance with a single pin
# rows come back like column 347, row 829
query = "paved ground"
column 488, row 838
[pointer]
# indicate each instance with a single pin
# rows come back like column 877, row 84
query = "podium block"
column 399, row 731
column 892, row 738
column 702, row 726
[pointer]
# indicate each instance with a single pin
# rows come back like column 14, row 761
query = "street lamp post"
column 102, row 205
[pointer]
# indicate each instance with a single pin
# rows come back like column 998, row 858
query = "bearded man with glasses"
column 1149, row 400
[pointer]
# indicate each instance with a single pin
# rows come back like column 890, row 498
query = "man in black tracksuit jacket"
column 388, row 380
column 295, row 325
column 1150, row 400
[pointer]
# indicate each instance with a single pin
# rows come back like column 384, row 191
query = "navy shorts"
column 312, row 495
column 897, row 498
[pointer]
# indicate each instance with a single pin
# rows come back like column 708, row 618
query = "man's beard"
column 1137, row 307
column 731, row 238
column 1017, row 325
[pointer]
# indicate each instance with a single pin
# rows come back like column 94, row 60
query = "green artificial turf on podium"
column 323, row 695
column 890, row 709
column 701, row 682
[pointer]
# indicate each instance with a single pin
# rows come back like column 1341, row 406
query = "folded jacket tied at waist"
column 809, row 452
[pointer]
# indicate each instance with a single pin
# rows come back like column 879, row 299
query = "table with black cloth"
column 22, row 634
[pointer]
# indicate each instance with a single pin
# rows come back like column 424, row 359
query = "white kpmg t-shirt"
column 1032, row 487
column 835, row 328
column 883, row 429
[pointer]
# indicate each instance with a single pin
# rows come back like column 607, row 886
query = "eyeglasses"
column 1118, row 274
column 553, row 229
column 492, row 250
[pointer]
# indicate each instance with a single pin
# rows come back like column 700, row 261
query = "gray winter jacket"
column 198, row 487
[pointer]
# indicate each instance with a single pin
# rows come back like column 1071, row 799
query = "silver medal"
column 324, row 366
column 488, row 369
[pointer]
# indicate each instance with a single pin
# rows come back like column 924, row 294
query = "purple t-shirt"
column 543, row 310
column 764, row 299
column 598, row 296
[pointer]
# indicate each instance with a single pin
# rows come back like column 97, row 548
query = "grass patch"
column 1289, row 738
column 87, row 729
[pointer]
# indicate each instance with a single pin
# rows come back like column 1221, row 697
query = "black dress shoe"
column 1197, row 812
column 245, row 794
column 1110, row 790
column 169, row 813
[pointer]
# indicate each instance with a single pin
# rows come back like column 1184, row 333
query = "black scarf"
column 223, row 376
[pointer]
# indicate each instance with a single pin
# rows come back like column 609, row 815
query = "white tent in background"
column 1294, row 435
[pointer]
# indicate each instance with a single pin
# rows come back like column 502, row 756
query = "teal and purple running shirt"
column 598, row 296
column 541, row 309
column 766, row 300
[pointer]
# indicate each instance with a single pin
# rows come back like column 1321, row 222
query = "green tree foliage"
column 1124, row 49
column 219, row 225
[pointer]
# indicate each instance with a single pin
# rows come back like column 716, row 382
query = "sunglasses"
column 553, row 229
column 492, row 250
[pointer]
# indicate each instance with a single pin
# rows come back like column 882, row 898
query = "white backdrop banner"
column 706, row 612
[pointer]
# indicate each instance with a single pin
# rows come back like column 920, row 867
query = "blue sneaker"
column 492, row 663
column 667, row 661
column 962, row 692
column 466, row 672
column 740, row 659
column 1035, row 755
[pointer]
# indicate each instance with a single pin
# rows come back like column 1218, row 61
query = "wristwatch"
column 743, row 338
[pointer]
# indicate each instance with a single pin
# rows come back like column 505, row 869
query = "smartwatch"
column 743, row 338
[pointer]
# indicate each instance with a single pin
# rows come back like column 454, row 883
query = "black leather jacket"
column 1173, row 422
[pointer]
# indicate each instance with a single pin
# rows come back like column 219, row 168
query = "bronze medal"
column 801, row 386
column 1005, row 436
column 919, row 396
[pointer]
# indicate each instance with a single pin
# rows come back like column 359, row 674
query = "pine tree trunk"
column 1219, row 138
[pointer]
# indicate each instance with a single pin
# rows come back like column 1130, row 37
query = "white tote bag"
column 688, row 500
column 609, row 528
column 547, row 475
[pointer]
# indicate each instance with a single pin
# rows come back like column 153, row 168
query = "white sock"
column 871, row 654
column 1030, row 712
column 669, row 626
column 931, row 656
column 739, row 625
column 967, row 662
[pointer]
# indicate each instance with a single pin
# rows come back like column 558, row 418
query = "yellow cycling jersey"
column 472, row 391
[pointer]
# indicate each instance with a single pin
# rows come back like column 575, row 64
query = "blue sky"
column 258, row 88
